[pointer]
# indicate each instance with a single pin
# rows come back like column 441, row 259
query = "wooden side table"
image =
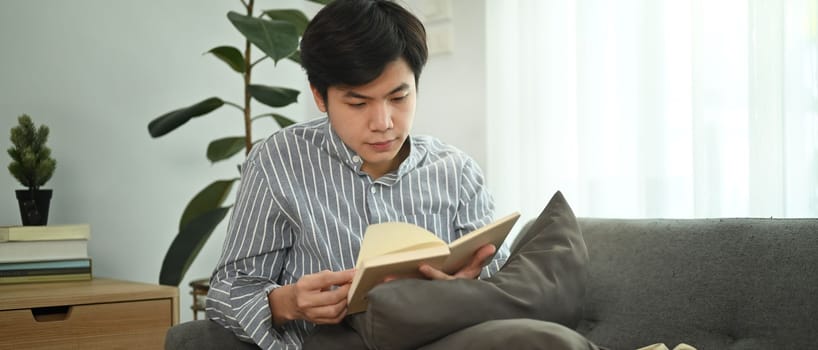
column 199, row 290
column 96, row 314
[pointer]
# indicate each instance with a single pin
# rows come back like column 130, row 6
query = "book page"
column 397, row 249
column 400, row 265
column 393, row 237
column 463, row 248
column 45, row 232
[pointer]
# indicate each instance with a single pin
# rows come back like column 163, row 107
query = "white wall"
column 97, row 71
column 452, row 97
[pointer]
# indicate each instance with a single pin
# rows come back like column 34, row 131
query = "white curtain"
column 654, row 108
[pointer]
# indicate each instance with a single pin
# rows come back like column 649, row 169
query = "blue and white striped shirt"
column 303, row 205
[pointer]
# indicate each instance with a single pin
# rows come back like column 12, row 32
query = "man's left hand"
column 470, row 271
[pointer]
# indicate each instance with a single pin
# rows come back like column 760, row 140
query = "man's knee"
column 518, row 334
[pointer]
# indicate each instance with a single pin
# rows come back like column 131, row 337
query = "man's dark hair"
column 350, row 42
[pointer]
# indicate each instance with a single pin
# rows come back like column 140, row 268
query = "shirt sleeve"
column 476, row 209
column 258, row 239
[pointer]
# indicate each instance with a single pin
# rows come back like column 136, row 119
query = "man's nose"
column 381, row 117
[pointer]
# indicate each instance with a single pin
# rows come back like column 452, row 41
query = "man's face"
column 374, row 119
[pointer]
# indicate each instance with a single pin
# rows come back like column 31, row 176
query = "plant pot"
column 34, row 206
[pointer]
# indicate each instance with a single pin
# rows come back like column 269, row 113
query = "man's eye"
column 357, row 105
column 399, row 98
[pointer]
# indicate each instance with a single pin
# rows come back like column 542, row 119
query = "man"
column 309, row 191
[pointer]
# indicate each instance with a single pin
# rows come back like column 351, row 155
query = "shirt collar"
column 338, row 149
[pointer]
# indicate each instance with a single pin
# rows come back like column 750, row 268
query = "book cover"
column 19, row 251
column 396, row 249
column 46, row 264
column 44, row 233
column 19, row 272
column 39, row 272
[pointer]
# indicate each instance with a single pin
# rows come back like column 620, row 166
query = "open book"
column 397, row 249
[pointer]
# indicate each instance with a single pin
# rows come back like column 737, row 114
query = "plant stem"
column 248, row 141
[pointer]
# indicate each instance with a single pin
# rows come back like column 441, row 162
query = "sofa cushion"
column 203, row 334
column 544, row 280
column 711, row 283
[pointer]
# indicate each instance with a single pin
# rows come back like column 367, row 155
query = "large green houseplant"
column 276, row 34
column 32, row 165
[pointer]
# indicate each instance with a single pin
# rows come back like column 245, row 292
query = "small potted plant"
column 32, row 165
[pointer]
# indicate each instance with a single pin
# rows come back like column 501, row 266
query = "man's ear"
column 319, row 100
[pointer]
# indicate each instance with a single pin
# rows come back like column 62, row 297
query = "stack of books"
column 44, row 253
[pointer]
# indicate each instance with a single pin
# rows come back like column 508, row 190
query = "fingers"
column 433, row 273
column 328, row 314
column 482, row 254
column 472, row 269
column 321, row 298
column 310, row 298
column 326, row 279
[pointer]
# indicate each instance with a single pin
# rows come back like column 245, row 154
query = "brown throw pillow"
column 543, row 279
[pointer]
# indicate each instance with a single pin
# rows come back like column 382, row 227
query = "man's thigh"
column 517, row 334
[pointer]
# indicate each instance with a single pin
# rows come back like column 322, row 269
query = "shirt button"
column 373, row 190
column 356, row 159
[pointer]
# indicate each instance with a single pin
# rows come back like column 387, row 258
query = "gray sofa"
column 712, row 283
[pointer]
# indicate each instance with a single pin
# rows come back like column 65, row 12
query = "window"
column 649, row 108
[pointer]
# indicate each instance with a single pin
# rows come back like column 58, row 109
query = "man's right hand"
column 312, row 298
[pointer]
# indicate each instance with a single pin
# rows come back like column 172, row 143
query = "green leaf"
column 277, row 39
column 322, row 2
column 174, row 119
column 295, row 57
column 187, row 244
column 281, row 120
column 230, row 55
column 224, row 148
column 211, row 197
column 273, row 96
column 295, row 17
